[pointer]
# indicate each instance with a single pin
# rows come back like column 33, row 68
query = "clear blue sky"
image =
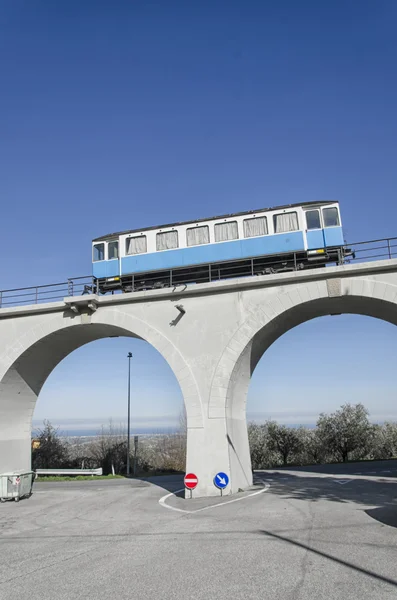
column 118, row 115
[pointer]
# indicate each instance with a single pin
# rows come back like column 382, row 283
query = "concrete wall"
column 212, row 349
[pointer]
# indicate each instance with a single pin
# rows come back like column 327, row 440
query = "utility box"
column 16, row 485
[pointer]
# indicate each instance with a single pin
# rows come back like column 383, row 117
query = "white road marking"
column 162, row 501
column 342, row 481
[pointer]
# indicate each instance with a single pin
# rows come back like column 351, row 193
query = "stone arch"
column 267, row 322
column 28, row 360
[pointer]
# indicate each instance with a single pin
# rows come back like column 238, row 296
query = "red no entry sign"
column 191, row 481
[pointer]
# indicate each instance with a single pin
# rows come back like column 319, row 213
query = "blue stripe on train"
column 212, row 253
column 196, row 255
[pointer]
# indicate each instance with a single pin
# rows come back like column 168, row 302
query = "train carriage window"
column 255, row 226
column 313, row 219
column 286, row 222
column 167, row 240
column 226, row 231
column 136, row 245
column 113, row 250
column 198, row 235
column 331, row 217
column 98, row 252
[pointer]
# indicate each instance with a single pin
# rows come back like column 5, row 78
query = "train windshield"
column 98, row 252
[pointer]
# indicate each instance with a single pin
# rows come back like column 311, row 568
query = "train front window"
column 331, row 217
column 255, row 226
column 113, row 250
column 136, row 245
column 98, row 252
column 167, row 240
column 313, row 219
column 198, row 235
column 226, row 231
column 285, row 222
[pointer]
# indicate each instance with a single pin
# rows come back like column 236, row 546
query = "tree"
column 346, row 431
column 109, row 449
column 385, row 441
column 262, row 457
column 51, row 452
column 283, row 440
column 312, row 450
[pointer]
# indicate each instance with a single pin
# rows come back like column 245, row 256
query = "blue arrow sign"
column 221, row 480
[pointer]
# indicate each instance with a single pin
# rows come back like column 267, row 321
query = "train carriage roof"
column 195, row 221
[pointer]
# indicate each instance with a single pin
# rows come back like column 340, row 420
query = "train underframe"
column 183, row 276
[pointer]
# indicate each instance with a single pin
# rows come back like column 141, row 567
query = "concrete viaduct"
column 212, row 342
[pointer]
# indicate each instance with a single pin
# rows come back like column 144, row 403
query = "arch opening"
column 30, row 362
column 262, row 338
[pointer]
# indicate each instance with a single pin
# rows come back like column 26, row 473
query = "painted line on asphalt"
column 343, row 481
column 162, row 501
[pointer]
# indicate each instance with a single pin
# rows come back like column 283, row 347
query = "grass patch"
column 77, row 477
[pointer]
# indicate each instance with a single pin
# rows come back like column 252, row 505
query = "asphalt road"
column 299, row 534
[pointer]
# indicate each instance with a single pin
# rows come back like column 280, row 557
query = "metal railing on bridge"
column 39, row 294
column 373, row 250
column 357, row 252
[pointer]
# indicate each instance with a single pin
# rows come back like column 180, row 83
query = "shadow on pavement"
column 170, row 483
column 339, row 561
column 385, row 514
column 380, row 494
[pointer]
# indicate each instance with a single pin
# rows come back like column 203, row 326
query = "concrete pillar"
column 17, row 402
column 236, row 419
column 207, row 455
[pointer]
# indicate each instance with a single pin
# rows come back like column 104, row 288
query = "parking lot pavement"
column 309, row 537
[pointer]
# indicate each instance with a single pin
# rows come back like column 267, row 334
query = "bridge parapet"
column 381, row 251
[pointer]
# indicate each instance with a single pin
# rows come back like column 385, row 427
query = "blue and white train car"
column 267, row 240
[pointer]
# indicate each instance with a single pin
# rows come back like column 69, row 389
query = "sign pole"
column 129, row 356
column 135, row 453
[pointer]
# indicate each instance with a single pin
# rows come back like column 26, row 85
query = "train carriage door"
column 333, row 234
column 314, row 229
column 113, row 258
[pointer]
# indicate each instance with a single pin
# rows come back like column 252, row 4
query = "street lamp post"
column 129, row 355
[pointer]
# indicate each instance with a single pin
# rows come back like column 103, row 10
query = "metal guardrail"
column 373, row 250
column 39, row 294
column 358, row 252
column 69, row 471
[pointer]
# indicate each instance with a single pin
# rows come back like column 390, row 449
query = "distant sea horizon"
column 135, row 431
column 92, row 432
column 168, row 427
